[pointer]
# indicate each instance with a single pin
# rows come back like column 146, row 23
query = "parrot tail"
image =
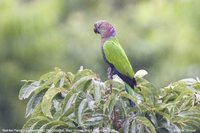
column 129, row 90
column 130, row 81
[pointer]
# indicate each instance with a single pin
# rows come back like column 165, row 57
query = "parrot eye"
column 96, row 26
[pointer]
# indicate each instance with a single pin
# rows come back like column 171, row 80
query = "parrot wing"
column 116, row 55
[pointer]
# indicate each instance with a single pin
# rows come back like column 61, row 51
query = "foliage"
column 81, row 102
column 37, row 34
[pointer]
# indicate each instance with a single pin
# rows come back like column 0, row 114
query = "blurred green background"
column 162, row 37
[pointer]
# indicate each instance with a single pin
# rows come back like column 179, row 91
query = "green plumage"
column 115, row 55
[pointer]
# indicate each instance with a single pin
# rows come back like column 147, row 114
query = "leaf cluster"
column 79, row 102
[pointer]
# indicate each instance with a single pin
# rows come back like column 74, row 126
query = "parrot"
column 115, row 56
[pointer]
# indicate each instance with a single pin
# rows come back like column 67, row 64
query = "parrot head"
column 104, row 28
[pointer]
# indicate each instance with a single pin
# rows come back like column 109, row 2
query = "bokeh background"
column 162, row 37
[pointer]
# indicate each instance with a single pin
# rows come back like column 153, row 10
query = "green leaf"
column 128, row 96
column 35, row 127
column 82, row 83
column 47, row 100
column 59, row 77
column 94, row 121
column 30, row 122
column 107, row 103
column 27, row 89
column 55, row 125
column 56, row 104
column 147, row 94
column 83, row 73
column 112, row 105
column 80, row 104
column 37, row 111
column 123, row 109
column 47, row 76
column 62, row 81
column 68, row 100
column 133, row 127
column 147, row 123
column 197, row 86
column 70, row 77
column 141, row 81
column 117, row 86
column 97, row 91
column 47, row 127
column 69, row 103
column 52, row 78
column 153, row 119
column 126, row 125
column 172, row 128
column 34, row 101
column 69, row 112
column 91, row 102
column 53, row 128
column 80, row 110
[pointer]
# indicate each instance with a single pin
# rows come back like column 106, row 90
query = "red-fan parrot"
column 114, row 55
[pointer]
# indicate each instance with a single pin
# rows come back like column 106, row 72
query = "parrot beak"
column 96, row 30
